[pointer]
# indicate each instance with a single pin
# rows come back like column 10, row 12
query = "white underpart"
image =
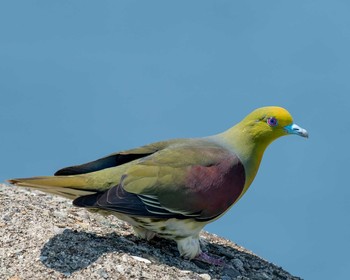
column 185, row 232
column 189, row 247
column 143, row 233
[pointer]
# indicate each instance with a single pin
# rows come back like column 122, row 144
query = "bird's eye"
column 272, row 121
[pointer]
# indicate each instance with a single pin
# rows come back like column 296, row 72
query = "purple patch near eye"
column 272, row 121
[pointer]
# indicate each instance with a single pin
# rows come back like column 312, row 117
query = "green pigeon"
column 173, row 188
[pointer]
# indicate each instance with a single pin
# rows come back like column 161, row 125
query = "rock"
column 45, row 237
column 59, row 214
column 205, row 276
column 102, row 272
column 238, row 264
column 120, row 268
column 230, row 273
column 141, row 259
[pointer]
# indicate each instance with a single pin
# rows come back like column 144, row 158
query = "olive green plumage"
column 173, row 188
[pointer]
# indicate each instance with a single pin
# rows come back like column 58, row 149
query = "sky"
column 82, row 79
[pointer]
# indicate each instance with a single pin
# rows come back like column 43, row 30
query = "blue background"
column 82, row 79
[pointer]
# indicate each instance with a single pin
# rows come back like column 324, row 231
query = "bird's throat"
column 249, row 149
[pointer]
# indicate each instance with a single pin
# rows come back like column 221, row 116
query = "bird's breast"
column 217, row 186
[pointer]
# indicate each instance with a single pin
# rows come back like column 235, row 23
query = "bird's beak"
column 296, row 129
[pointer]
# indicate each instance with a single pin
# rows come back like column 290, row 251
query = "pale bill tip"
column 296, row 129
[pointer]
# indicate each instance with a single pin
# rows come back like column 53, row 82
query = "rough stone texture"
column 45, row 237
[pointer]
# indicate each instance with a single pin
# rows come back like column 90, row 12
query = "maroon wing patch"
column 215, row 188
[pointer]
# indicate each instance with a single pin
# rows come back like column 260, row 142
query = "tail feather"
column 70, row 187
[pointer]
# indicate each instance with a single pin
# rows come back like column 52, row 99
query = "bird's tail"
column 67, row 186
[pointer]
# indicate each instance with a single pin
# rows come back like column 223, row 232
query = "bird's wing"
column 199, row 180
column 116, row 159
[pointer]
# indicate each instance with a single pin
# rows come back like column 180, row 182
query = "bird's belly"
column 173, row 228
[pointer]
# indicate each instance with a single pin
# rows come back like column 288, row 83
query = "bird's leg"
column 143, row 233
column 203, row 257
column 189, row 247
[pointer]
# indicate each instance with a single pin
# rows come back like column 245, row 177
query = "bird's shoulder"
column 181, row 165
column 189, row 151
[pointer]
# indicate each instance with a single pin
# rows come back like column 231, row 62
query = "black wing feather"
column 106, row 162
column 119, row 200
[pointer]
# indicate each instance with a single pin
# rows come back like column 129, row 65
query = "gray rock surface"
column 45, row 237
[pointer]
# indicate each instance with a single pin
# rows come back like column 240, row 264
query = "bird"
column 172, row 189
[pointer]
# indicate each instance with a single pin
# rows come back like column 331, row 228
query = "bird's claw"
column 203, row 257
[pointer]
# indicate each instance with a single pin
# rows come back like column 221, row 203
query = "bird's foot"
column 143, row 233
column 203, row 257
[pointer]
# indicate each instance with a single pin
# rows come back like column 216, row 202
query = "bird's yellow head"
column 269, row 123
column 250, row 137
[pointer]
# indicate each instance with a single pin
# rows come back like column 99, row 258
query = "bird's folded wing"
column 199, row 181
column 115, row 159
